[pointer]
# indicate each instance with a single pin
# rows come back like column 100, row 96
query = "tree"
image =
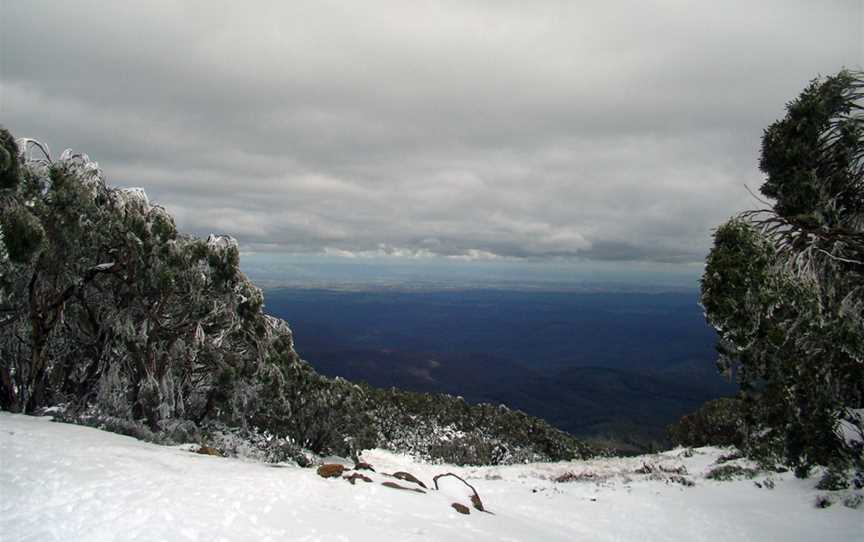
column 784, row 285
column 102, row 298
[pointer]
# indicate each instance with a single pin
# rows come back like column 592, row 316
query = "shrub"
column 716, row 423
column 725, row 473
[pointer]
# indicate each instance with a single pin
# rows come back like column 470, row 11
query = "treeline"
column 109, row 311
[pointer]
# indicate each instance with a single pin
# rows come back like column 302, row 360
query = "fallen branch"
column 475, row 498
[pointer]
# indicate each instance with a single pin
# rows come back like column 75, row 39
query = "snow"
column 136, row 194
column 221, row 242
column 66, row 482
column 852, row 432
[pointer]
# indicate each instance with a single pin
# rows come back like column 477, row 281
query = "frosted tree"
column 784, row 285
column 100, row 290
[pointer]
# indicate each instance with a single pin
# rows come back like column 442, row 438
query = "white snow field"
column 70, row 483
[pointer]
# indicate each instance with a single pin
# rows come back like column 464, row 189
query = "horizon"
column 269, row 271
column 534, row 139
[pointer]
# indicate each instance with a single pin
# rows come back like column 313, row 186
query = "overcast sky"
column 600, row 131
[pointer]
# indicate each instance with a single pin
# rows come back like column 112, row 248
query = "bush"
column 716, row 423
column 834, row 479
column 725, row 473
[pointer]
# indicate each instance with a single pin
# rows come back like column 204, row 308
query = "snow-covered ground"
column 65, row 482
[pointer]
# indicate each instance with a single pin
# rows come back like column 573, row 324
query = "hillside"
column 585, row 401
column 99, row 486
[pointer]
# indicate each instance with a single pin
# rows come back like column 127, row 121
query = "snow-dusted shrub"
column 731, row 456
column 112, row 397
column 853, row 501
column 445, row 428
column 180, row 431
column 121, row 426
column 724, row 473
column 251, row 443
column 588, row 476
column 835, row 478
column 716, row 423
column 823, row 501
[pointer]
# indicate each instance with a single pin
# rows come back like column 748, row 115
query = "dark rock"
column 362, row 465
column 408, row 477
column 331, row 470
column 461, row 508
column 477, row 503
column 576, row 477
column 394, row 485
column 208, row 450
column 356, row 476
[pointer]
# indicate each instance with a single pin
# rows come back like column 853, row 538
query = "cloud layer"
column 474, row 130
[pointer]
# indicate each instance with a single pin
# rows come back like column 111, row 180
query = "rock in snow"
column 72, row 483
column 330, row 470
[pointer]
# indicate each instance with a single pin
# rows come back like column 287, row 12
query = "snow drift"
column 67, row 482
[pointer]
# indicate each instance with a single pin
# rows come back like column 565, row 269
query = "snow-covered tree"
column 100, row 291
column 784, row 285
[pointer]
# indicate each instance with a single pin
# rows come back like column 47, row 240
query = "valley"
column 613, row 366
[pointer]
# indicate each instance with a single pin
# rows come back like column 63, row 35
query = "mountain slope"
column 71, row 483
column 585, row 401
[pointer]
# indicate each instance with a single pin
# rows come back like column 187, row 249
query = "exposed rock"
column 408, row 477
column 461, row 508
column 208, row 450
column 362, row 465
column 337, row 460
column 477, row 503
column 356, row 476
column 394, row 485
column 330, row 470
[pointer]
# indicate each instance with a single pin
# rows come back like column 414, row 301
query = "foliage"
column 725, row 473
column 22, row 234
column 784, row 285
column 9, row 174
column 834, row 479
column 717, row 422
column 110, row 305
column 446, row 428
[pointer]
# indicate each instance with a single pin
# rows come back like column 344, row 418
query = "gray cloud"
column 471, row 130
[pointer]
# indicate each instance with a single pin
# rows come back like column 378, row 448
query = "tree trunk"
column 8, row 399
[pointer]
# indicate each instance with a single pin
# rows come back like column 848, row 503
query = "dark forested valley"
column 619, row 365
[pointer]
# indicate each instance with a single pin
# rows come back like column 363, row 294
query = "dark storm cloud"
column 464, row 129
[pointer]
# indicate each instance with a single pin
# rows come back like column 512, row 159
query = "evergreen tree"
column 103, row 298
column 784, row 285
